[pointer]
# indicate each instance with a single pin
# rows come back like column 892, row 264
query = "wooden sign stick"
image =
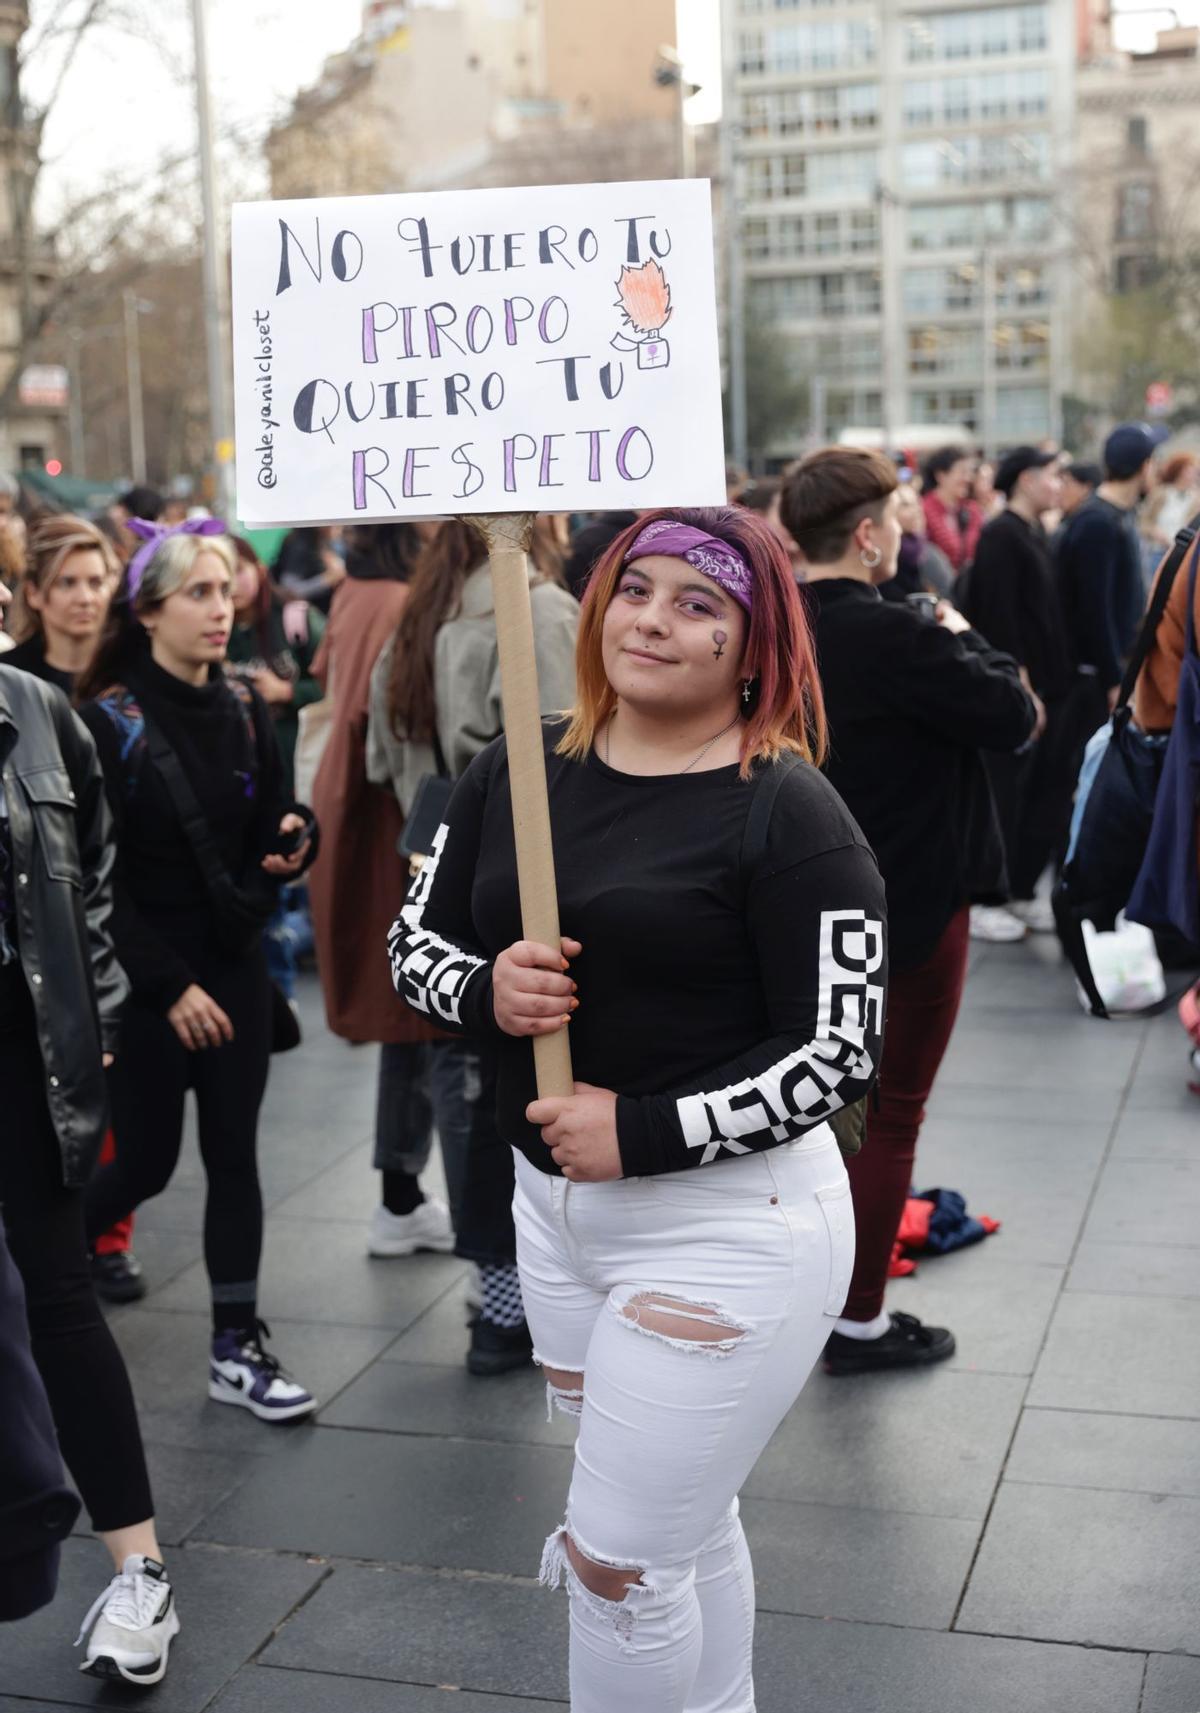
column 508, row 536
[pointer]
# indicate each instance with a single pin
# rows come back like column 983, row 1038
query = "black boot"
column 118, row 1277
column 497, row 1349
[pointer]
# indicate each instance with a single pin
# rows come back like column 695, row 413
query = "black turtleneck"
column 163, row 919
column 30, row 656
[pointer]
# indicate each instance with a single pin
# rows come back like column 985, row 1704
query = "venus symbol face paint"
column 720, row 638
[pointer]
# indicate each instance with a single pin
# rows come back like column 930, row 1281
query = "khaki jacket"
column 466, row 676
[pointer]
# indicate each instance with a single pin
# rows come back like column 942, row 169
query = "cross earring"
column 746, row 684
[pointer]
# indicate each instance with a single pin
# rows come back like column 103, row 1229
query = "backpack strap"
column 758, row 819
column 1156, row 609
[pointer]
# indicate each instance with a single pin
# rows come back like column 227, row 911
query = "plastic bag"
column 1126, row 968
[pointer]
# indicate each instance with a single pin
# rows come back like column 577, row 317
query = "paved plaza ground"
column 1018, row 1529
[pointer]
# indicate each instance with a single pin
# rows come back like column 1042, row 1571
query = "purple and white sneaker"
column 241, row 1372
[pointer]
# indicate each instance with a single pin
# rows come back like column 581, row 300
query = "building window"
column 1132, row 273
column 1022, row 345
column 1022, row 414
column 812, row 297
column 968, row 225
column 972, row 96
column 936, row 291
column 953, row 407
column 1021, row 285
column 820, row 46
column 975, row 159
column 827, row 175
column 1135, row 212
column 934, row 350
column 985, row 33
column 1137, row 135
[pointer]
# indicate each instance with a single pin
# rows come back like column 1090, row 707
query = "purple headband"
column 708, row 553
column 153, row 535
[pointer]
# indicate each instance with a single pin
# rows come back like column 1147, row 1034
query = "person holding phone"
column 205, row 833
column 913, row 699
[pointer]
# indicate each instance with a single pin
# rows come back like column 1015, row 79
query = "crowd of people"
column 801, row 748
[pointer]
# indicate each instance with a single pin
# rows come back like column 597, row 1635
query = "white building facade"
column 899, row 167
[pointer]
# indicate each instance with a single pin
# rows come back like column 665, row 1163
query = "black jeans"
column 1034, row 793
column 82, row 1370
column 452, row 1084
column 148, row 1085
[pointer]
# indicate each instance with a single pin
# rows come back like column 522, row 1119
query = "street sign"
column 44, row 386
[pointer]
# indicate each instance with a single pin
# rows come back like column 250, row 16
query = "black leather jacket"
column 62, row 855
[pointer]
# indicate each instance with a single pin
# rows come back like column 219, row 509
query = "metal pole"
column 75, row 404
column 133, row 381
column 987, row 422
column 218, row 406
column 735, row 284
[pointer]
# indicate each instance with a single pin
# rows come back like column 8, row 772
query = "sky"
column 128, row 102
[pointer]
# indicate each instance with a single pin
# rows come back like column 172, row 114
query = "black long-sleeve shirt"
column 1012, row 599
column 730, row 1011
column 910, row 705
column 163, row 918
column 1100, row 586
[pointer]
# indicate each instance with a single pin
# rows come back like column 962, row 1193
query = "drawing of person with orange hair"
column 644, row 298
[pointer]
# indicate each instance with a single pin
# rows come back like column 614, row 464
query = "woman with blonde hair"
column 204, row 833
column 62, row 600
column 684, row 1233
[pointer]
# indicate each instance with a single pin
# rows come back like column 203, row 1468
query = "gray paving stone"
column 229, row 1605
column 931, row 1443
column 1099, row 1055
column 167, row 1355
column 266, row 1689
column 321, row 1272
column 347, row 1190
column 989, row 1098
column 498, row 1637
column 1131, row 1454
column 1172, row 1685
column 1039, row 1193
column 998, row 1321
column 1131, row 1355
column 1134, row 1269
column 828, row 1561
column 1147, row 1201
column 1148, row 1135
column 1105, row 1569
column 403, row 1500
column 187, row 1484
column 440, row 1336
column 802, row 1664
column 437, row 1399
column 164, row 1253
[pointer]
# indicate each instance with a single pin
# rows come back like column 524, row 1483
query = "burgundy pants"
column 922, row 1004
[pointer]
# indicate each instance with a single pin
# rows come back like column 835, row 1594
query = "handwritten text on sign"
column 476, row 351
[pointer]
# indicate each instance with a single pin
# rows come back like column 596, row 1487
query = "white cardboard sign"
column 550, row 349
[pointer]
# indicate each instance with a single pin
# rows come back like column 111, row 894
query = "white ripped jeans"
column 695, row 1306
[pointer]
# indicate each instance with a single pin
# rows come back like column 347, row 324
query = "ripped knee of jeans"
column 684, row 1323
column 564, row 1390
column 610, row 1592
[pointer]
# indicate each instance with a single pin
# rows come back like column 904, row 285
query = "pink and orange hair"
column 786, row 710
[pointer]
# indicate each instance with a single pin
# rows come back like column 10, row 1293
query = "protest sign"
column 479, row 351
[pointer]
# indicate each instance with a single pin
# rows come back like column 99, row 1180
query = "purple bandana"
column 708, row 553
column 153, row 535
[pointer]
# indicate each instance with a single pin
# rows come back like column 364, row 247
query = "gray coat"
column 62, row 855
column 466, row 677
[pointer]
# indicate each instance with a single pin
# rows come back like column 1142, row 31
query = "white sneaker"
column 133, row 1624
column 1036, row 913
column 990, row 922
column 426, row 1227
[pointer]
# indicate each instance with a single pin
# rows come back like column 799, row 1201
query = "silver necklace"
column 693, row 763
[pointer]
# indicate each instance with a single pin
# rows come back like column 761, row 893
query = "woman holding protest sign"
column 435, row 704
column 684, row 1228
column 204, row 833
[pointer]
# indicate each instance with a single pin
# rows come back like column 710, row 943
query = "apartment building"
column 897, row 166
